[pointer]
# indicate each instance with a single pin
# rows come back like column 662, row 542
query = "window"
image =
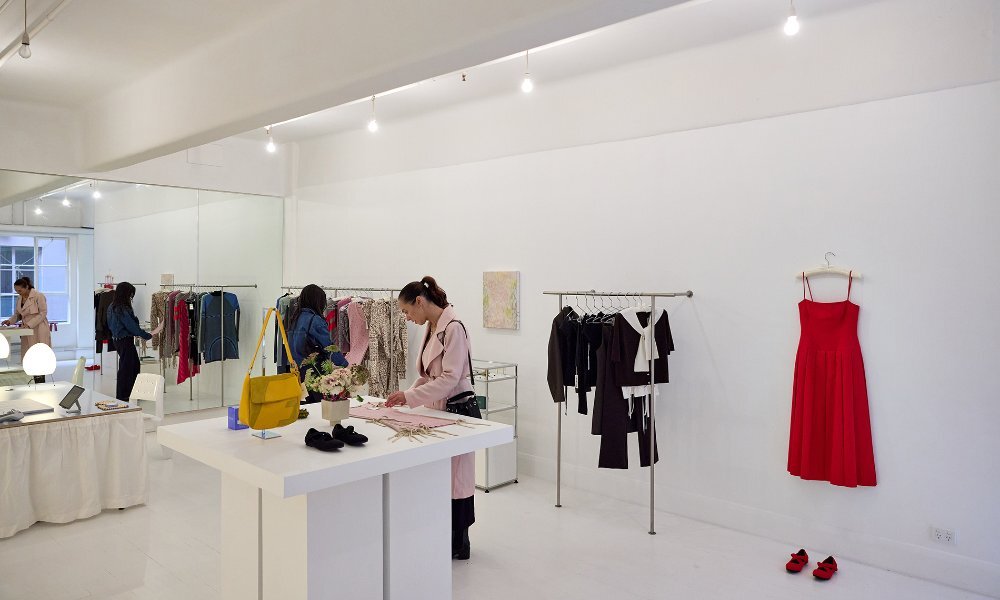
column 45, row 260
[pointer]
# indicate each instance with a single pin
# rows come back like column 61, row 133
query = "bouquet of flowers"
column 334, row 383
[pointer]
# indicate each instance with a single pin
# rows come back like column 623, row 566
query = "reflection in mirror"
column 71, row 236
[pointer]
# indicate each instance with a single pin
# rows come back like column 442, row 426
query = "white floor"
column 523, row 547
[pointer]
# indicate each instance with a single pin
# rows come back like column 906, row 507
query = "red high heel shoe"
column 799, row 560
column 825, row 569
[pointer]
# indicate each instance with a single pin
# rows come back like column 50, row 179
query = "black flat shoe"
column 348, row 435
column 462, row 554
column 322, row 440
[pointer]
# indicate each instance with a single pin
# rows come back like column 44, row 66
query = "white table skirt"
column 66, row 470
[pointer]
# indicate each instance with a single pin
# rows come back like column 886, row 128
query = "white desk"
column 12, row 332
column 58, row 467
column 367, row 522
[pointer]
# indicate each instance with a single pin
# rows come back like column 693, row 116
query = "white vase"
column 335, row 412
column 361, row 390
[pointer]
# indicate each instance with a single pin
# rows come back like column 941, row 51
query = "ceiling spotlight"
column 372, row 123
column 25, row 50
column 271, row 148
column 792, row 24
column 38, row 210
column 97, row 192
column 66, row 202
column 527, row 85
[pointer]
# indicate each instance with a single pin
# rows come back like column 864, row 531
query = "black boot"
column 461, row 548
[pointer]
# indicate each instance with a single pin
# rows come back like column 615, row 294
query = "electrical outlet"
column 943, row 536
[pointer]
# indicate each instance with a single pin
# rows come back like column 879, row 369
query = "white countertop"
column 51, row 394
column 286, row 467
column 16, row 331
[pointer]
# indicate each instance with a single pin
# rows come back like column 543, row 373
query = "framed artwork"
column 501, row 290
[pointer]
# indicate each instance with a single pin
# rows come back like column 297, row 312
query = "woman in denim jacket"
column 310, row 333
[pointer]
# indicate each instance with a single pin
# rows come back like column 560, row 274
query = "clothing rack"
column 111, row 285
column 336, row 291
column 652, row 296
column 222, row 330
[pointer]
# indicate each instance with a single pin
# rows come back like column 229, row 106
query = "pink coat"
column 34, row 314
column 446, row 356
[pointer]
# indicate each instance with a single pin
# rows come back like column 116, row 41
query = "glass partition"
column 202, row 241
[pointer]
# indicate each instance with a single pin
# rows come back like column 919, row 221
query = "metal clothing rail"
column 222, row 331
column 105, row 285
column 342, row 288
column 652, row 393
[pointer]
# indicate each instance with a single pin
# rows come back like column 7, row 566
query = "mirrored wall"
column 78, row 239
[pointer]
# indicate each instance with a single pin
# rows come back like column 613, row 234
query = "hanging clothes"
column 157, row 315
column 831, row 436
column 187, row 366
column 359, row 333
column 102, row 333
column 387, row 347
column 343, row 337
column 220, row 325
column 588, row 338
column 638, row 338
column 610, row 356
column 562, row 344
column 281, row 305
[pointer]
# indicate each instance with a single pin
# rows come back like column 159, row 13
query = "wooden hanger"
column 829, row 269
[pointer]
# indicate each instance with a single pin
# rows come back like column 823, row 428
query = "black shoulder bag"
column 465, row 403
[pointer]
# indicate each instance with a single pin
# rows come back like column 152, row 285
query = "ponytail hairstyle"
column 425, row 288
column 123, row 294
column 24, row 282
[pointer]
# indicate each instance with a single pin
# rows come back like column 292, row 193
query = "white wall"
column 903, row 189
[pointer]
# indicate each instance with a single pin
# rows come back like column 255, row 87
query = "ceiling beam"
column 314, row 54
column 16, row 186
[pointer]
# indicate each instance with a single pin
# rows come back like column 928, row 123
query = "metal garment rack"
column 108, row 286
column 336, row 292
column 652, row 296
column 222, row 331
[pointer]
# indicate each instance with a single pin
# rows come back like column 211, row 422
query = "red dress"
column 831, row 435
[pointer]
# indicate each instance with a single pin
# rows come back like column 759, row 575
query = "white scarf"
column 647, row 350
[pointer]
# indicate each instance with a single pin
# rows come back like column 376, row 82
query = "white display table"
column 364, row 522
column 58, row 467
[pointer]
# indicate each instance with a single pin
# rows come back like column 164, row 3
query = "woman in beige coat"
column 33, row 312
column 443, row 366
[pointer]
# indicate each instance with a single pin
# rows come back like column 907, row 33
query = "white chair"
column 149, row 388
column 78, row 371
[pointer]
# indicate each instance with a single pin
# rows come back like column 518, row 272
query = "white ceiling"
column 695, row 23
column 93, row 46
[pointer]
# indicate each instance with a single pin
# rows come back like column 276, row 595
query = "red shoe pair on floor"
column 824, row 570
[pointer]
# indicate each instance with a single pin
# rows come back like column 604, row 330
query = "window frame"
column 36, row 266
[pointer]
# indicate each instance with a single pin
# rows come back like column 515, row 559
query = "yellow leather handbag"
column 271, row 401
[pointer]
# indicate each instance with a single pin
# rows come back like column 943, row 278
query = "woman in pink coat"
column 443, row 366
column 33, row 311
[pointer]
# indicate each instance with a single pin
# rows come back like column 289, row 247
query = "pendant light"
column 373, row 123
column 25, row 50
column 271, row 148
column 527, row 84
column 792, row 23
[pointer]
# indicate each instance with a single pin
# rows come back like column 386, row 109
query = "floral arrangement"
column 334, row 383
